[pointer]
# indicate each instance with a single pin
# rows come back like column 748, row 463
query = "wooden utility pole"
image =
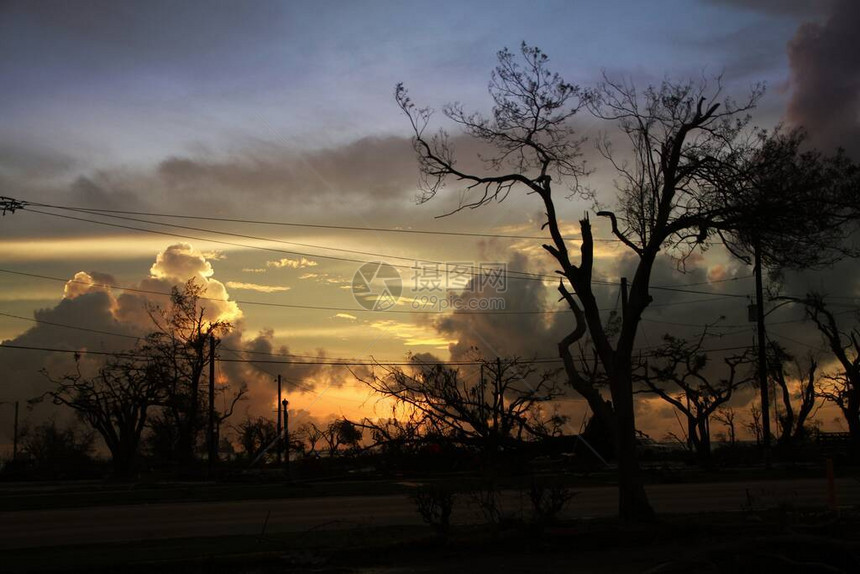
column 481, row 394
column 499, row 391
column 279, row 448
column 762, row 355
column 212, row 442
column 15, row 435
column 286, row 412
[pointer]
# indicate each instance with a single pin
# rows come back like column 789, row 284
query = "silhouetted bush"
column 548, row 500
column 51, row 451
column 435, row 504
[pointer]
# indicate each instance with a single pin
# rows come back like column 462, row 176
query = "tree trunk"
column 704, row 442
column 633, row 502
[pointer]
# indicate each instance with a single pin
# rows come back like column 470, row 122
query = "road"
column 34, row 528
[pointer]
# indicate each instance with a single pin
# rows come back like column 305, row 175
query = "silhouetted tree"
column 842, row 388
column 115, row 403
column 55, row 450
column 180, row 348
column 698, row 390
column 311, row 435
column 343, row 432
column 754, row 424
column 679, row 135
column 490, row 414
column 797, row 407
column 726, row 416
column 255, row 435
column 795, row 204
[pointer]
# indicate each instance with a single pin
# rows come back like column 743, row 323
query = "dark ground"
column 768, row 541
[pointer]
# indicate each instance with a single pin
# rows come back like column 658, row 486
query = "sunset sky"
column 284, row 112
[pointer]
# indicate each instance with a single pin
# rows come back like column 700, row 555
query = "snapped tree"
column 680, row 137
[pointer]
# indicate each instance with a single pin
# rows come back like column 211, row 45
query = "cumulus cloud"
column 181, row 261
column 115, row 320
column 83, row 283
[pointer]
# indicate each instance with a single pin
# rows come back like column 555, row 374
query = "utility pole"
column 286, row 411
column 280, row 443
column 213, row 446
column 762, row 355
column 15, row 435
column 481, row 405
column 8, row 204
column 500, row 393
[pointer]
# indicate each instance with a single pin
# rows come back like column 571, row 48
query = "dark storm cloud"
column 368, row 178
column 370, row 169
column 680, row 314
column 31, row 162
column 825, row 78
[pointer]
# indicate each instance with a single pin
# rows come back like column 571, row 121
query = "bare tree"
column 115, row 403
column 842, row 388
column 754, row 424
column 797, row 407
column 679, row 135
column 698, row 390
column 491, row 413
column 311, row 435
column 180, row 348
column 726, row 416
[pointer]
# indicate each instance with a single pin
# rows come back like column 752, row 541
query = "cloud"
column 89, row 303
column 777, row 7
column 292, row 263
column 181, row 261
column 346, row 316
column 825, row 78
column 83, row 283
column 256, row 287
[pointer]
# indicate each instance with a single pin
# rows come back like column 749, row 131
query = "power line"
column 75, row 327
column 523, row 275
column 138, row 338
column 265, row 353
column 327, row 307
column 314, row 225
column 371, row 363
column 285, row 242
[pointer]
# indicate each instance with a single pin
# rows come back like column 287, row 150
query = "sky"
column 284, row 112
